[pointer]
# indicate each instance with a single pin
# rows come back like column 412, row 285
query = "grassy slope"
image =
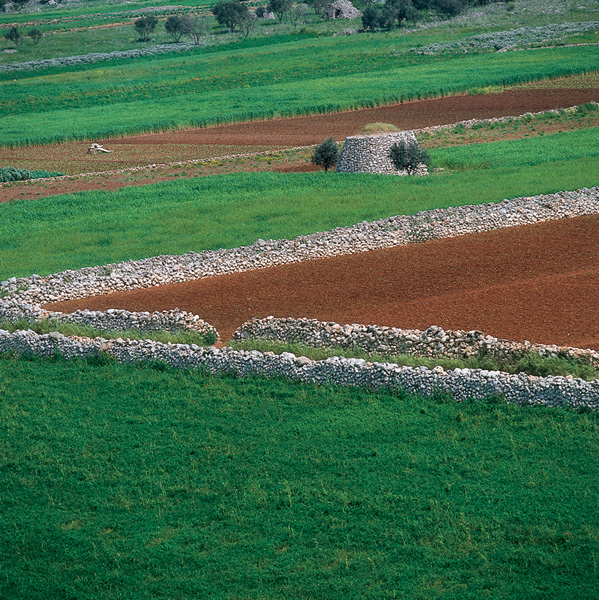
column 124, row 98
column 124, row 482
column 230, row 210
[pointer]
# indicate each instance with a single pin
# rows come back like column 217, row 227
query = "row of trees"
column 236, row 16
column 15, row 36
column 176, row 26
column 395, row 12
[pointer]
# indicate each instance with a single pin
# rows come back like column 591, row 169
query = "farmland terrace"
column 540, row 293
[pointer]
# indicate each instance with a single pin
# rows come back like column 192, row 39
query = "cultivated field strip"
column 467, row 123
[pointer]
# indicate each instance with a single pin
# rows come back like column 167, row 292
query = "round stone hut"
column 370, row 153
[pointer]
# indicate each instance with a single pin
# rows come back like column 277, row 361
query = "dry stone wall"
column 25, row 295
column 370, row 153
column 461, row 384
column 121, row 320
column 22, row 298
column 435, row 342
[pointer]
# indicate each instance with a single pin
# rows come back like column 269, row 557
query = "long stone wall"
column 462, row 384
column 26, row 294
column 435, row 342
column 22, row 298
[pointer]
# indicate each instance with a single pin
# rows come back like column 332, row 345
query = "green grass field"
column 130, row 482
column 92, row 228
column 143, row 482
column 197, row 89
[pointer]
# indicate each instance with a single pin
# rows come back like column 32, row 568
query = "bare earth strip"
column 303, row 131
column 536, row 282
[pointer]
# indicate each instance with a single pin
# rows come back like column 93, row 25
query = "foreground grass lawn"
column 136, row 482
column 225, row 211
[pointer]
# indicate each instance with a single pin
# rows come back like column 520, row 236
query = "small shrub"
column 11, row 174
column 35, row 34
column 326, row 154
column 14, row 35
column 583, row 109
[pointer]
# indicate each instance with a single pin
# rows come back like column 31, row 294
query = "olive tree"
column 174, row 27
column 326, row 154
column 280, row 8
column 230, row 13
column 145, row 26
column 408, row 156
column 195, row 27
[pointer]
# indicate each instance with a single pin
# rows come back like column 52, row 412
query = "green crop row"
column 98, row 227
column 239, row 87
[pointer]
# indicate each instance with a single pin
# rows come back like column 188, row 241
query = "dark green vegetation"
column 200, row 88
column 133, row 482
column 94, row 228
column 49, row 325
column 325, row 155
column 533, row 364
column 11, row 174
column 408, row 156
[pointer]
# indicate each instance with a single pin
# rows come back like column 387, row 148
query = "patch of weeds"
column 588, row 107
column 46, row 326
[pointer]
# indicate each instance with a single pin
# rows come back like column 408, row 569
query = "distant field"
column 92, row 228
column 133, row 482
column 195, row 90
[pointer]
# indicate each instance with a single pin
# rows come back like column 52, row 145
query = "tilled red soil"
column 303, row 131
column 537, row 282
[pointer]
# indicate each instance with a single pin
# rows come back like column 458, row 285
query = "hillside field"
column 142, row 481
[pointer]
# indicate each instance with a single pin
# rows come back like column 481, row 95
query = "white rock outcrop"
column 342, row 9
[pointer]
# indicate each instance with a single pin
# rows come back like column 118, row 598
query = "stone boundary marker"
column 462, row 384
column 435, row 342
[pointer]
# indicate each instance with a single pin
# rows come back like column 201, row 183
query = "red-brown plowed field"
column 303, row 131
column 538, row 282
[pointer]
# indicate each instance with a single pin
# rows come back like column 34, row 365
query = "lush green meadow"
column 202, row 88
column 135, row 482
column 92, row 228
